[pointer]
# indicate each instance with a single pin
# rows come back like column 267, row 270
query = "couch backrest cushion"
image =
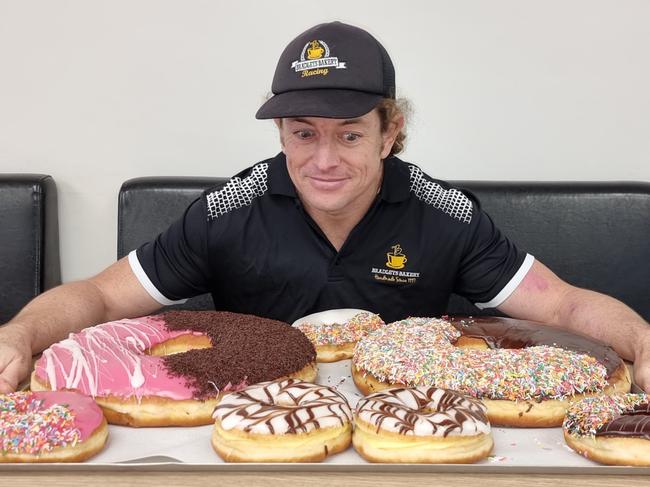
column 147, row 206
column 594, row 235
column 29, row 240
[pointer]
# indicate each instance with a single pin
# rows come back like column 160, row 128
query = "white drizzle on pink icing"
column 110, row 359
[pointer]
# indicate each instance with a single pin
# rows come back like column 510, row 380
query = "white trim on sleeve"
column 142, row 276
column 511, row 286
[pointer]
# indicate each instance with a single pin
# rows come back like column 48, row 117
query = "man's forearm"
column 54, row 314
column 604, row 318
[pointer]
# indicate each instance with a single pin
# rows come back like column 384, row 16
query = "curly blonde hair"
column 389, row 109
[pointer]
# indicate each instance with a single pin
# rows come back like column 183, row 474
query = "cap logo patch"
column 315, row 59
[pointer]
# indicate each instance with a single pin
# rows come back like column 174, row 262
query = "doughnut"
column 527, row 377
column 156, row 371
column 282, row 421
column 421, row 425
column 614, row 430
column 336, row 341
column 50, row 427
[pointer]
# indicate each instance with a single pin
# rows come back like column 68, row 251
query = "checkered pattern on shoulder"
column 451, row 201
column 238, row 192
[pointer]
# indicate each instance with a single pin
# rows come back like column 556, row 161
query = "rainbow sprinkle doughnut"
column 50, row 427
column 421, row 352
column 614, row 430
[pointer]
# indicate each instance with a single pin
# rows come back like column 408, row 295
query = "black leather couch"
column 29, row 240
column 592, row 234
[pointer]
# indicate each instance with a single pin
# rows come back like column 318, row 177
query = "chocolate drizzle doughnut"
column 423, row 411
column 421, row 424
column 286, row 420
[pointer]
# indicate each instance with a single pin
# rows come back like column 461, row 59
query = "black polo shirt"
column 252, row 246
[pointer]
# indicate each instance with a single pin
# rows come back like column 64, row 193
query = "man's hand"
column 15, row 358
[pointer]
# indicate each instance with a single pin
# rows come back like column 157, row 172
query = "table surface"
column 194, row 479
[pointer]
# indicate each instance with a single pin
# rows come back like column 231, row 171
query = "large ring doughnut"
column 522, row 380
column 421, row 425
column 282, row 421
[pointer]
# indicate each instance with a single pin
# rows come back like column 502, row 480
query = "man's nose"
column 326, row 156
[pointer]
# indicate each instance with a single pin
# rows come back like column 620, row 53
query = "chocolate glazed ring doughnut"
column 282, row 421
column 525, row 373
column 421, row 425
column 614, row 430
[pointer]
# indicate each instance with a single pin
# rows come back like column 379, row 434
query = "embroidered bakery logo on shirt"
column 396, row 260
column 315, row 60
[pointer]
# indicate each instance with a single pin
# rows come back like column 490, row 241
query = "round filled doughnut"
column 171, row 369
column 50, row 427
column 614, row 430
column 335, row 338
column 282, row 421
column 524, row 372
column 421, row 425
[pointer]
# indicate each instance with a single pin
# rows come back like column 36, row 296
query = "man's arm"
column 542, row 296
column 113, row 294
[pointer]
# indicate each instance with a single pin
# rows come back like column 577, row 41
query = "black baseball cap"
column 332, row 70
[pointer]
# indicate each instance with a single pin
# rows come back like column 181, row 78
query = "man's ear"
column 389, row 136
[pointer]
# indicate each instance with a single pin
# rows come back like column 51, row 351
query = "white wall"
column 96, row 92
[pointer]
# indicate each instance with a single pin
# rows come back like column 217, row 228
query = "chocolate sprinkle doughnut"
column 245, row 348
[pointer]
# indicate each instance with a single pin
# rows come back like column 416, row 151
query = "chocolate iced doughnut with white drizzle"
column 421, row 425
column 282, row 421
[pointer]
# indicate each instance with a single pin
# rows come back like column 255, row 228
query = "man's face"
column 335, row 164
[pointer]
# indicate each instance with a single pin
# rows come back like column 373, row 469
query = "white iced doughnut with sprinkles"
column 50, row 427
column 282, row 421
column 421, row 425
column 522, row 380
column 335, row 340
column 614, row 430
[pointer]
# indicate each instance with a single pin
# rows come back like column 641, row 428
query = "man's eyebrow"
column 350, row 121
column 301, row 120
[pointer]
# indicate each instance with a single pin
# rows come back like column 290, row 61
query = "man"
column 333, row 221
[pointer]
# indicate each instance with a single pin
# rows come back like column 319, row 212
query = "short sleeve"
column 174, row 266
column 491, row 265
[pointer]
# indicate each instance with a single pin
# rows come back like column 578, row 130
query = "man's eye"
column 351, row 137
column 303, row 134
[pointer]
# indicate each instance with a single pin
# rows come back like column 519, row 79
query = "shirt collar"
column 394, row 186
column 278, row 177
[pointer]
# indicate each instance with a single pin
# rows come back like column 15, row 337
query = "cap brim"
column 326, row 103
